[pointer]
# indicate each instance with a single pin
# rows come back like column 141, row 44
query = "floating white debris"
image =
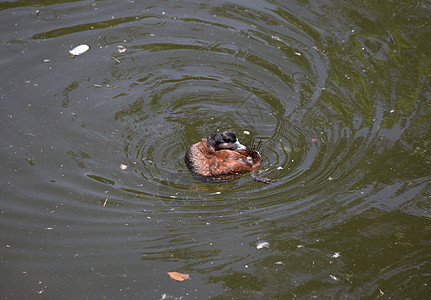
column 334, row 277
column 261, row 245
column 121, row 49
column 79, row 49
column 336, row 254
column 300, row 246
column 297, row 53
column 280, row 168
column 246, row 132
column 123, row 167
column 279, row 263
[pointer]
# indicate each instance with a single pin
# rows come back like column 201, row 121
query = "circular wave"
column 316, row 128
column 178, row 105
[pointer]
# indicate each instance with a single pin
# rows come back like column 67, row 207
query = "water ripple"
column 340, row 100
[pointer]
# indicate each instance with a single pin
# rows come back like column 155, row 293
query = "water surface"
column 338, row 92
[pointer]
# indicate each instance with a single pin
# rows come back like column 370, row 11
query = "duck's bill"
column 238, row 145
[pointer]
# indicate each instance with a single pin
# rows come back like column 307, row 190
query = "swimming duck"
column 221, row 157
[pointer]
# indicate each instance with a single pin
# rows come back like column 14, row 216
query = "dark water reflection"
column 338, row 92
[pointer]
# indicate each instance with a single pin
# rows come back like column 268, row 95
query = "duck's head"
column 224, row 140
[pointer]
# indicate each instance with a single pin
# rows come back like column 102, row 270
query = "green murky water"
column 338, row 92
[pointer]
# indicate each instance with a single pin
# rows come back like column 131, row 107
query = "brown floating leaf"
column 178, row 276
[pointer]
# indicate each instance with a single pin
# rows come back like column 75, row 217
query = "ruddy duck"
column 220, row 157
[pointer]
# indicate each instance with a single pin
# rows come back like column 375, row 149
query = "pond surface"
column 96, row 200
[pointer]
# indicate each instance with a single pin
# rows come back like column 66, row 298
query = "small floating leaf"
column 178, row 276
column 79, row 49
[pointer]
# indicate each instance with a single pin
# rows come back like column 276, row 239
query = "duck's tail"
column 259, row 178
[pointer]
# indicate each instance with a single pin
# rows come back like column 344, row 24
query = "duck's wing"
column 228, row 162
